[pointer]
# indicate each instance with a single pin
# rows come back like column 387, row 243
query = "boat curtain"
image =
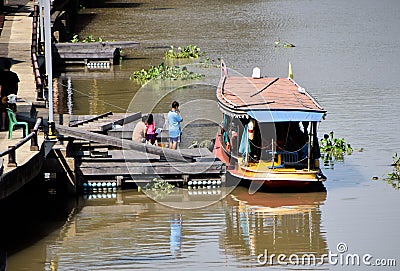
column 244, row 141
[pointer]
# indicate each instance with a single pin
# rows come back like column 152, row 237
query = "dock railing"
column 11, row 151
column 34, row 51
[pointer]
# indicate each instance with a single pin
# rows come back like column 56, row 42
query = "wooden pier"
column 96, row 150
column 92, row 54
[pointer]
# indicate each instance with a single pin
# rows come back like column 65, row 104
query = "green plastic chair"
column 14, row 123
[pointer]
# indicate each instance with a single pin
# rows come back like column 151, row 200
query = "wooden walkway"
column 15, row 44
column 99, row 156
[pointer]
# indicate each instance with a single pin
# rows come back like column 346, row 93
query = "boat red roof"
column 266, row 93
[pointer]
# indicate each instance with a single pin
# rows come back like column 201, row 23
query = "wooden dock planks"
column 101, row 156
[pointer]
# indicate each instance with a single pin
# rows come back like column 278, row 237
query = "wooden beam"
column 75, row 124
column 122, row 121
column 123, row 143
column 154, row 168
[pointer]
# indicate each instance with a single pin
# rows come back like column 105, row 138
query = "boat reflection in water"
column 261, row 224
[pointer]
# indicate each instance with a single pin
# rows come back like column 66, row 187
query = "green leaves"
column 163, row 71
column 393, row 178
column 89, row 38
column 189, row 51
column 334, row 148
column 159, row 188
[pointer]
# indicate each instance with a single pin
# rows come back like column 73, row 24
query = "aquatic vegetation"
column 202, row 144
column 159, row 188
column 163, row 71
column 189, row 51
column 157, row 185
column 89, row 38
column 283, row 44
column 393, row 178
column 334, row 148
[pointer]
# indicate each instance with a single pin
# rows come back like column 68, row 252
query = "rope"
column 103, row 101
column 278, row 147
column 262, row 147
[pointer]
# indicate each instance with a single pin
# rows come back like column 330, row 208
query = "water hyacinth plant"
column 159, row 188
column 89, row 38
column 163, row 71
column 393, row 178
column 334, row 149
column 189, row 51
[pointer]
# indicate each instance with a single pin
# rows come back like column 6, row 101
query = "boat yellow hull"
column 270, row 175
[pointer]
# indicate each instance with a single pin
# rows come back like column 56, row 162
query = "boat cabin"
column 268, row 123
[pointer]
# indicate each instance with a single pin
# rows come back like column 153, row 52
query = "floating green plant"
column 163, row 71
column 159, row 188
column 334, row 148
column 202, row 144
column 189, row 51
column 393, row 177
column 283, row 44
column 89, row 38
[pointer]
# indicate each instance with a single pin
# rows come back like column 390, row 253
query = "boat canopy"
column 285, row 115
column 267, row 99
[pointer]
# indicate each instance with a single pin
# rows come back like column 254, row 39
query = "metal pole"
column 49, row 68
column 41, row 21
column 311, row 135
column 273, row 153
column 69, row 97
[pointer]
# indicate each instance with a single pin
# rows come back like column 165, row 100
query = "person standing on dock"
column 8, row 85
column 151, row 130
column 174, row 125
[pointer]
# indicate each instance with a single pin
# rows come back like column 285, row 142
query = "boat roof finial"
column 290, row 71
column 256, row 73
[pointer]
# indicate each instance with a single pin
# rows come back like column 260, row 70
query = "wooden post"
column 34, row 143
column 11, row 157
column 119, row 181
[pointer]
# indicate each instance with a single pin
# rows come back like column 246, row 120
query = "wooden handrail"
column 24, row 140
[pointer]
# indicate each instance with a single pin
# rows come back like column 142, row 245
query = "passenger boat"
column 268, row 136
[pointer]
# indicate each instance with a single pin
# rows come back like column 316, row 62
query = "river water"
column 346, row 55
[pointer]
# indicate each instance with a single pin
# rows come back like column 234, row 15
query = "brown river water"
column 347, row 55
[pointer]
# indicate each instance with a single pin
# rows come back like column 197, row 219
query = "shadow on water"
column 3, row 260
column 84, row 20
column 109, row 4
column 30, row 214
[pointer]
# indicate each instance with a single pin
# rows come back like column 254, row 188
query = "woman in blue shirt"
column 174, row 125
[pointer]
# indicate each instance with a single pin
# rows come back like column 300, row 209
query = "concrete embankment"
column 15, row 44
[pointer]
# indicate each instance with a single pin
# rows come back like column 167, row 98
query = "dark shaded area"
column 32, row 213
column 108, row 4
column 84, row 19
column 13, row 61
column 161, row 8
